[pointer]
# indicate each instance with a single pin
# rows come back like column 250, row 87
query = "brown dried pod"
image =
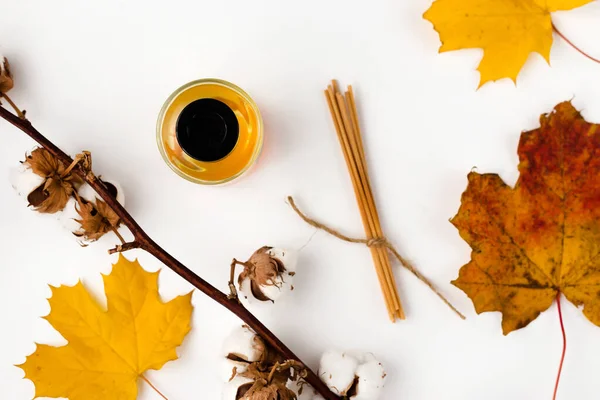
column 70, row 215
column 242, row 348
column 262, row 390
column 268, row 274
column 255, row 371
column 96, row 219
column 6, row 78
column 262, row 381
column 57, row 185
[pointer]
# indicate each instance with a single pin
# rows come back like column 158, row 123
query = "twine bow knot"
column 377, row 242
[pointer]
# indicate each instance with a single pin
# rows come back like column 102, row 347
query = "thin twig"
column 233, row 294
column 76, row 161
column 116, row 232
column 121, row 248
column 272, row 373
column 20, row 114
column 145, row 242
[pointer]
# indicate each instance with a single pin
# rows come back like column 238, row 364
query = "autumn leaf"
column 108, row 351
column 542, row 237
column 507, row 30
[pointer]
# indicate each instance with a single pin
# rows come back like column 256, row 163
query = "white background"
column 93, row 75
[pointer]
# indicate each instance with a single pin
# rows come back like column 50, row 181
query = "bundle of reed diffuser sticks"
column 345, row 118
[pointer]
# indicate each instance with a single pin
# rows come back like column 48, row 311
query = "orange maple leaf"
column 542, row 237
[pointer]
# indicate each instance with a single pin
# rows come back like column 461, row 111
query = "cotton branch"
column 143, row 241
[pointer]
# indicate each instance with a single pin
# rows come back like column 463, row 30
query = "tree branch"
column 124, row 246
column 143, row 241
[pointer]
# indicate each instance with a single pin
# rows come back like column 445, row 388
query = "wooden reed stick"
column 345, row 117
column 337, row 119
column 378, row 232
column 367, row 203
column 360, row 198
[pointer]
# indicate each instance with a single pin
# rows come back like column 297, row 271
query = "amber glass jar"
column 210, row 131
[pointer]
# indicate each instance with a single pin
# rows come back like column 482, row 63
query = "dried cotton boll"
column 268, row 274
column 50, row 191
column 269, row 382
column 260, row 382
column 95, row 218
column 338, row 370
column 284, row 281
column 50, row 188
column 68, row 217
column 255, row 371
column 244, row 343
column 236, row 388
column 241, row 348
column 303, row 390
column 88, row 193
column 24, row 180
column 264, row 391
column 6, row 78
column 94, row 225
column 289, row 258
column 358, row 376
column 371, row 379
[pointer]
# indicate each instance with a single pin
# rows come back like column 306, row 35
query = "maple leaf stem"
column 563, row 37
column 143, row 241
column 153, row 387
column 564, row 350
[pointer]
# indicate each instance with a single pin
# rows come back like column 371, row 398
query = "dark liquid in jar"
column 207, row 130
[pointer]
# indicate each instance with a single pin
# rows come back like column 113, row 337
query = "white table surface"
column 93, row 75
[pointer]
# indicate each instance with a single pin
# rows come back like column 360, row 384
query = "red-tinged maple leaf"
column 542, row 237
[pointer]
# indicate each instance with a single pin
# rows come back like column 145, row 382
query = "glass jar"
column 210, row 131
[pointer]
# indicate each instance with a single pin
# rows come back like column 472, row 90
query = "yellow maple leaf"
column 507, row 30
column 109, row 349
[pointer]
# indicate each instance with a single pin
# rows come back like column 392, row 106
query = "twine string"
column 374, row 242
